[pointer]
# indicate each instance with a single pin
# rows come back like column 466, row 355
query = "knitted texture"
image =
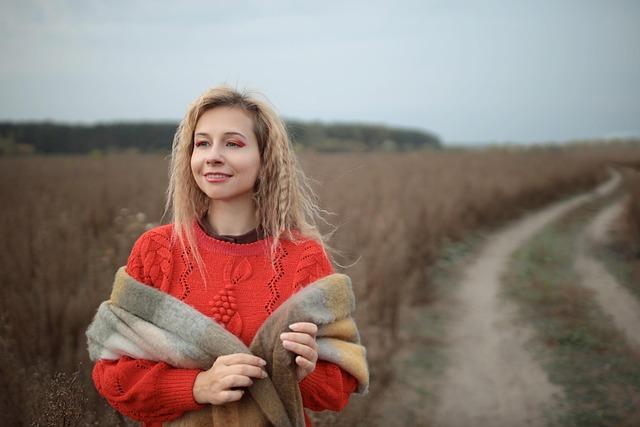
column 243, row 287
column 143, row 322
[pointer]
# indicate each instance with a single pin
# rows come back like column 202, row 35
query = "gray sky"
column 469, row 71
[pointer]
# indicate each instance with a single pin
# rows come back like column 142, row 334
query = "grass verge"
column 620, row 253
column 621, row 265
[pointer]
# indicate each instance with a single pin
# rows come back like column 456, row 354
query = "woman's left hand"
column 302, row 341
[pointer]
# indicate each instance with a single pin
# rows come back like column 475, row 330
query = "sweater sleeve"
column 145, row 390
column 328, row 386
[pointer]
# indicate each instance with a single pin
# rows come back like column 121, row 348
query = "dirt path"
column 491, row 379
column 614, row 299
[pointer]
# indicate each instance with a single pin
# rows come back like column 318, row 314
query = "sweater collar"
column 249, row 237
column 227, row 245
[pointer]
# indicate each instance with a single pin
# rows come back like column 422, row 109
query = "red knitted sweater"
column 243, row 289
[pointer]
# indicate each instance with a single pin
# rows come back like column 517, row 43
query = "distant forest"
column 50, row 138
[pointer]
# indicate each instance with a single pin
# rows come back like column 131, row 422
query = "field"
column 69, row 222
column 623, row 250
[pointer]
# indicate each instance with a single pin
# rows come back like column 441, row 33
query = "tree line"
column 52, row 138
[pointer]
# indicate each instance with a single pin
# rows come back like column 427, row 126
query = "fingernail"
column 264, row 374
column 292, row 326
column 263, row 362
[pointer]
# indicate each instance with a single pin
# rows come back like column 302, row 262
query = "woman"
column 242, row 240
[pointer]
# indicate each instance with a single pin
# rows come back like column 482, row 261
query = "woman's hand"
column 220, row 383
column 303, row 343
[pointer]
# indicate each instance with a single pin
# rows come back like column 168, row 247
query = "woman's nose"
column 214, row 155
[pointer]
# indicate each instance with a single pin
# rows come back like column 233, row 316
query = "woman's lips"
column 216, row 177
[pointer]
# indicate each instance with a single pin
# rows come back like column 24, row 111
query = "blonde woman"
column 243, row 238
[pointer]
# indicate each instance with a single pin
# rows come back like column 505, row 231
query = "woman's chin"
column 226, row 197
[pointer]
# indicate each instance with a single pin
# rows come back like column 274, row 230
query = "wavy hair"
column 286, row 206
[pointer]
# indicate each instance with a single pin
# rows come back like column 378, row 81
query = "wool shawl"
column 142, row 322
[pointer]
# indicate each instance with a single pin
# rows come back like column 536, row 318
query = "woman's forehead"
column 221, row 120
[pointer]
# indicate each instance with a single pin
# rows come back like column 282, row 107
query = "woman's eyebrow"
column 226, row 133
column 235, row 133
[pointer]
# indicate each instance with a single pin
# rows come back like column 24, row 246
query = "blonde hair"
column 285, row 203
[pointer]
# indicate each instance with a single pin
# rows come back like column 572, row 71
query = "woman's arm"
column 328, row 386
column 142, row 389
column 145, row 390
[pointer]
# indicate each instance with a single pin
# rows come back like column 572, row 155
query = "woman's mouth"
column 216, row 177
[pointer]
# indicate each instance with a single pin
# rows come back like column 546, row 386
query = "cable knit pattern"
column 278, row 274
column 243, row 288
column 151, row 260
column 313, row 264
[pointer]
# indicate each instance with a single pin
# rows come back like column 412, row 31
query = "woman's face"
column 226, row 158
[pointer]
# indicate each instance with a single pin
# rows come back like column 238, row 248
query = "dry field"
column 68, row 222
column 625, row 242
column 632, row 221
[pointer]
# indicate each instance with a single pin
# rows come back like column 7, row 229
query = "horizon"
column 623, row 138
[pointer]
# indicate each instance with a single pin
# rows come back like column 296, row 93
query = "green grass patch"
column 620, row 264
column 577, row 344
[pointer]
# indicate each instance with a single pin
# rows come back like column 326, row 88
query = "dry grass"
column 624, row 248
column 632, row 225
column 69, row 222
column 631, row 216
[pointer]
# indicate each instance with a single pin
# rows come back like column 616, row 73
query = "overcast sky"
column 469, row 71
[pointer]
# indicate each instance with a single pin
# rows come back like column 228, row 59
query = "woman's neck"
column 232, row 219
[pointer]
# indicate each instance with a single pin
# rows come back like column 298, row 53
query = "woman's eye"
column 200, row 143
column 233, row 144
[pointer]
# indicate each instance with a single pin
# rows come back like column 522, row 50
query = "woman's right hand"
column 219, row 384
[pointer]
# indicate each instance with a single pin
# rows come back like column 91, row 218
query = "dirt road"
column 491, row 379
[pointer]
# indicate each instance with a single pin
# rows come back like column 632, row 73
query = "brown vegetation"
column 632, row 211
column 69, row 222
column 626, row 232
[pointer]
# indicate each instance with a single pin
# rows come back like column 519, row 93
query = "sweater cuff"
column 176, row 390
column 323, row 388
column 318, row 380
